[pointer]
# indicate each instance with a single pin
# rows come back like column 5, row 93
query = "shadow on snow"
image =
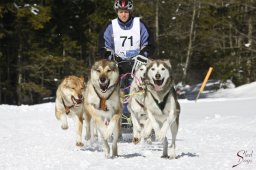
column 188, row 154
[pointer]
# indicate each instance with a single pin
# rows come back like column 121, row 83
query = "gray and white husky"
column 161, row 103
column 136, row 106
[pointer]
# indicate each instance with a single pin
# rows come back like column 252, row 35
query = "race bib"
column 126, row 42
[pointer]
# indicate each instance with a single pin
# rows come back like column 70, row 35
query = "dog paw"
column 149, row 141
column 165, row 156
column 79, row 144
column 135, row 140
column 64, row 122
column 172, row 157
column 107, row 156
column 64, row 126
column 160, row 137
column 87, row 143
column 114, row 156
column 172, row 154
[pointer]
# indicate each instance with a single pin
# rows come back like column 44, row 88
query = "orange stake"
column 204, row 82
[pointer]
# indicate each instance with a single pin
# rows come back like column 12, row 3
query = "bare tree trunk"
column 63, row 52
column 189, row 51
column 19, row 76
column 249, row 44
column 250, row 28
column 230, row 36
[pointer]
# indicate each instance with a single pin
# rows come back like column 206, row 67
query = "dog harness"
column 162, row 104
column 103, row 100
column 141, row 105
column 67, row 108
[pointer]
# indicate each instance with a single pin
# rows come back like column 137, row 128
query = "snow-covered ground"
column 215, row 133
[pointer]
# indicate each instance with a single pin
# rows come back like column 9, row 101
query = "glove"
column 116, row 58
column 107, row 54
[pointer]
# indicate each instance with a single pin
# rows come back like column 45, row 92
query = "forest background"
column 42, row 41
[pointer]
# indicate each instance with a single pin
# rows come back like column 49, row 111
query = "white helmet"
column 123, row 4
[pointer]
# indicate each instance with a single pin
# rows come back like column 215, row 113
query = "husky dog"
column 161, row 103
column 102, row 103
column 136, row 105
column 69, row 102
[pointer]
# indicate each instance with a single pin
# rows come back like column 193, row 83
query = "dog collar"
column 67, row 108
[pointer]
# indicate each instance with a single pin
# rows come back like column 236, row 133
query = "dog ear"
column 149, row 62
column 94, row 66
column 113, row 65
column 167, row 62
column 81, row 78
column 66, row 81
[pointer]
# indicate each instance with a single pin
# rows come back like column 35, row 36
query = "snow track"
column 212, row 132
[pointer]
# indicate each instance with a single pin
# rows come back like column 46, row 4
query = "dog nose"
column 80, row 96
column 158, row 76
column 102, row 79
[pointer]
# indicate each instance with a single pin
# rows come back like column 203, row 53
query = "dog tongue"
column 157, row 88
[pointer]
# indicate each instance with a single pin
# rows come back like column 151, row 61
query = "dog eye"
column 98, row 70
column 163, row 69
column 109, row 70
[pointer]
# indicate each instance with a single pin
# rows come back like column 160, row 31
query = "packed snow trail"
column 212, row 132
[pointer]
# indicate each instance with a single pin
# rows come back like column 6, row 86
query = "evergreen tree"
column 42, row 41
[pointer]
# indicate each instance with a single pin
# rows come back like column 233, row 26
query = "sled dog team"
column 153, row 104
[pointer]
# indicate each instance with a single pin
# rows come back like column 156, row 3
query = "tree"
column 43, row 41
